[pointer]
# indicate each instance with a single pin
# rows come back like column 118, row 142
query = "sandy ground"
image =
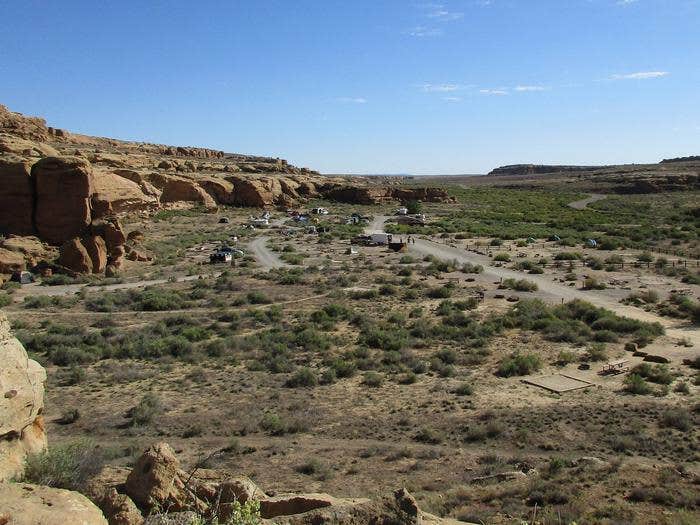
column 583, row 203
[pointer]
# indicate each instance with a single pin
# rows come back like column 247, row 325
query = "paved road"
column 265, row 257
column 583, row 203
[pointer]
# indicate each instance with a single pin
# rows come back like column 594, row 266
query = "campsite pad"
column 558, row 383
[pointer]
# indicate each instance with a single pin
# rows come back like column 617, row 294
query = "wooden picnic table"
column 615, row 367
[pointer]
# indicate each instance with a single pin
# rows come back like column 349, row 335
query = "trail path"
column 583, row 203
column 70, row 289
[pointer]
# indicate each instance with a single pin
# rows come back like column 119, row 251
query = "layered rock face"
column 17, row 196
column 64, row 187
column 21, row 405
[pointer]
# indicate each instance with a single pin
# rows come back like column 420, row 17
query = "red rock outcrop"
column 75, row 257
column 16, row 197
column 64, row 187
column 22, row 126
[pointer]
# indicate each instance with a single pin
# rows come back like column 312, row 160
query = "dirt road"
column 70, row 289
column 265, row 257
column 556, row 292
column 583, row 203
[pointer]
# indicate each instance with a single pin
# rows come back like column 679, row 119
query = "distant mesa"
column 694, row 158
column 540, row 169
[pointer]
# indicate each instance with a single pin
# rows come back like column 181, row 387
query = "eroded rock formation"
column 21, row 405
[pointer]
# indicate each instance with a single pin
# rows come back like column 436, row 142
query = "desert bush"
column 258, row 298
column 659, row 374
column 678, row 418
column 519, row 285
column 635, row 384
column 275, row 425
column 502, row 257
column 303, row 377
column 430, row 436
column 65, row 466
column 372, row 379
column 146, row 410
column 591, row 283
column 472, row 268
column 5, row 299
column 518, row 364
column 464, row 389
column 567, row 256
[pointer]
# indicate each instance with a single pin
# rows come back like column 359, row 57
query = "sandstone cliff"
column 55, row 185
column 21, row 406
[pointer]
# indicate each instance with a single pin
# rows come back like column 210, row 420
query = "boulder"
column 116, row 194
column 241, row 489
column 119, row 509
column 96, row 247
column 25, row 504
column 11, row 261
column 31, row 248
column 16, row 197
column 21, row 405
column 157, row 482
column 288, row 504
column 64, row 186
column 74, row 256
column 135, row 237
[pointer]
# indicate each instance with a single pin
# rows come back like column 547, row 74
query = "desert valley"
column 223, row 338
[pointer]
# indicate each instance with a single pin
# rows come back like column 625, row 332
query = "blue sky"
column 366, row 86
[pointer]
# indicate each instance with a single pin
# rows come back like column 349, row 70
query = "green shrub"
column 304, row 377
column 635, row 384
column 519, row 285
column 464, row 389
column 502, row 257
column 372, row 379
column 5, row 299
column 678, row 418
column 518, row 364
column 258, row 298
column 67, row 466
column 146, row 411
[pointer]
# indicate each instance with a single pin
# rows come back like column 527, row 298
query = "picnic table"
column 615, row 367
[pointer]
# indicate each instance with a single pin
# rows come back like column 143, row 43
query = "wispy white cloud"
column 493, row 91
column 441, row 88
column 452, row 99
column 352, row 100
column 422, row 31
column 440, row 13
column 626, row 2
column 641, row 75
column 530, row 88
